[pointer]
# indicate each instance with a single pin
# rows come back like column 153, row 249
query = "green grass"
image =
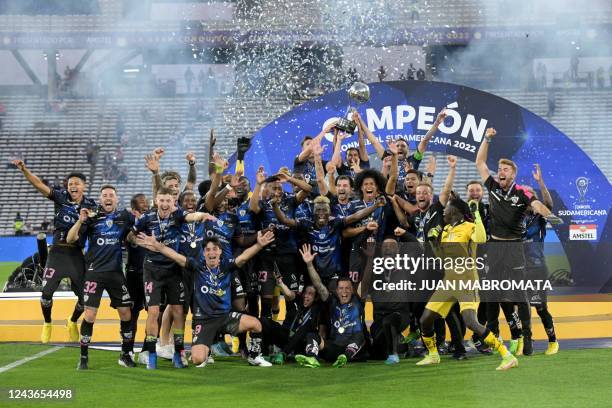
column 572, row 378
column 6, row 268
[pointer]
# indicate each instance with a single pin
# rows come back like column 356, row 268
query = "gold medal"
column 341, row 330
column 193, row 245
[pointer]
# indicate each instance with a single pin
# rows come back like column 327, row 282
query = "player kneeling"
column 212, row 296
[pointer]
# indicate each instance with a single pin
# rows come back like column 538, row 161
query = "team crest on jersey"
column 85, row 298
column 321, row 235
column 220, row 223
column 514, row 199
column 109, row 223
column 242, row 213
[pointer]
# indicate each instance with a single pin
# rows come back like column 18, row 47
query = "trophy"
column 360, row 93
column 582, row 184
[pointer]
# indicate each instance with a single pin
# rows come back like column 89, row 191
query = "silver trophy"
column 360, row 93
column 582, row 184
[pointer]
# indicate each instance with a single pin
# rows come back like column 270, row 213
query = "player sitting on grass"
column 291, row 336
column 212, row 295
column 346, row 328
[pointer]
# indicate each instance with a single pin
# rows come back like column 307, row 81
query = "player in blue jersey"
column 371, row 184
column 161, row 276
column 304, row 162
column 281, row 255
column 535, row 264
column 64, row 260
column 134, row 263
column 212, row 296
column 190, row 244
column 344, row 332
column 324, row 233
column 105, row 232
column 405, row 161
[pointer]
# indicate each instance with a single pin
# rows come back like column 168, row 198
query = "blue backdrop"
column 406, row 109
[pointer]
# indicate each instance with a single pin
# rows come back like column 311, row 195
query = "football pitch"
column 572, row 378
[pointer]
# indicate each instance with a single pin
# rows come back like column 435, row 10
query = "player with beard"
column 371, row 184
column 427, row 223
column 281, row 255
column 160, row 274
column 105, row 231
column 535, row 233
column 292, row 335
column 405, row 161
column 475, row 193
column 324, row 233
column 134, row 264
column 212, row 296
column 509, row 204
column 343, row 331
column 65, row 260
column 457, row 241
column 391, row 308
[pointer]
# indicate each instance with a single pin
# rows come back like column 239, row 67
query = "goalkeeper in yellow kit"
column 458, row 242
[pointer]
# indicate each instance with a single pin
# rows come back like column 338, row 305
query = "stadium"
column 253, row 202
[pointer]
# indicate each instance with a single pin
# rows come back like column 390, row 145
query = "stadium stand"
column 309, row 14
column 30, row 129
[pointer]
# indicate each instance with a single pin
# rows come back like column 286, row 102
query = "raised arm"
column 152, row 244
column 211, row 152
column 546, row 197
column 262, row 241
column 152, row 163
column 430, row 170
column 191, row 174
column 260, row 176
column 308, row 258
column 363, row 152
column 280, row 215
column 448, row 184
column 399, row 213
column 215, row 180
column 331, row 178
column 307, row 151
column 394, row 171
column 380, row 150
column 32, row 178
column 431, row 132
column 483, row 152
column 318, row 150
column 337, row 156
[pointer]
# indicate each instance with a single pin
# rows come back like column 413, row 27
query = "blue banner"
column 406, row 109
